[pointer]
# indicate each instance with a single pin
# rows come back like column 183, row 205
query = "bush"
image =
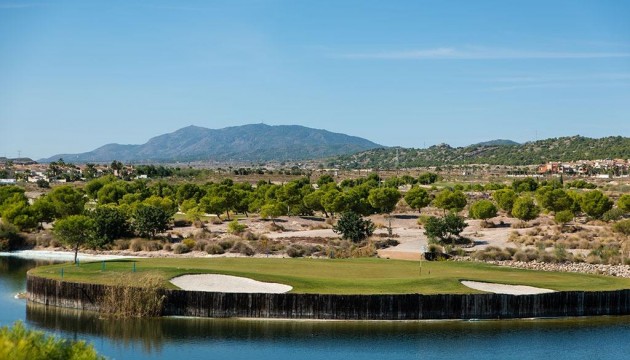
column 226, row 244
column 295, row 251
column 214, row 249
column 136, row 245
column 613, row 214
column 236, row 228
column 243, row 249
column 10, row 238
column 181, row 249
column 20, row 343
column 622, row 227
column 167, row 247
column 200, row 245
column 190, row 243
column 492, row 253
column 121, row 244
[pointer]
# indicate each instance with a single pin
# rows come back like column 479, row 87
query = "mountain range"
column 249, row 143
column 497, row 152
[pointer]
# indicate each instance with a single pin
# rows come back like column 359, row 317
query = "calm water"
column 184, row 338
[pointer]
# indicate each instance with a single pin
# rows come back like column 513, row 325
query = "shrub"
column 20, row 343
column 622, row 227
column 236, row 228
column 167, row 247
column 613, row 214
column 214, row 249
column 226, row 244
column 243, row 249
column 190, row 243
column 10, row 239
column 200, row 245
column 151, row 245
column 121, row 244
column 180, row 248
column 136, row 245
column 295, row 251
column 215, row 220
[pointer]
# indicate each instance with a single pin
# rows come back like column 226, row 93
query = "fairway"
column 326, row 276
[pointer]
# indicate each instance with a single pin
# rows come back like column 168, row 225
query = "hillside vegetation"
column 555, row 149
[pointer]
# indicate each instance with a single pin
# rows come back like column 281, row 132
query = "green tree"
column 555, row 200
column 272, row 211
column 66, row 201
column 594, row 203
column 384, row 199
column 417, row 198
column 213, row 204
column 444, row 229
column 563, row 217
column 74, row 231
column 149, row 220
column 353, row 227
column 505, row 199
column 624, row 203
column 21, row 215
column 483, row 209
column 427, row 178
column 450, row 200
column 525, row 209
column 110, row 223
column 20, row 343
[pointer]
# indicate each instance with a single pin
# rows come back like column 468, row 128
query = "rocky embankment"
column 600, row 269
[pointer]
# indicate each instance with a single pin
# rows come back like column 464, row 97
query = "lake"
column 193, row 338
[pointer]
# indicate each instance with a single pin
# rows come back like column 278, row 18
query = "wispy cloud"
column 16, row 5
column 528, row 82
column 479, row 53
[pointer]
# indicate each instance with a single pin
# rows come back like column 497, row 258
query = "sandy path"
column 227, row 284
column 505, row 289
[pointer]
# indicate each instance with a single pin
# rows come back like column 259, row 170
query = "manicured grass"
column 348, row 276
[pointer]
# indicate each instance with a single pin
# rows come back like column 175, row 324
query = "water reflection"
column 153, row 334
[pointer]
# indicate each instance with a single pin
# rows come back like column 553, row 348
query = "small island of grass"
column 339, row 276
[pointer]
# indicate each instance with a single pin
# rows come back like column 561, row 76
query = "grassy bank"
column 348, row 276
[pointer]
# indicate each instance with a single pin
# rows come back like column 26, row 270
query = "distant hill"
column 537, row 152
column 255, row 142
column 497, row 142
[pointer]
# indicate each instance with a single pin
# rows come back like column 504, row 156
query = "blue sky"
column 75, row 75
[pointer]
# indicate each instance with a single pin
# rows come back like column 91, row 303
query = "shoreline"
column 61, row 255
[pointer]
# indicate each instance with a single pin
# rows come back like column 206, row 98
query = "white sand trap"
column 228, row 284
column 506, row 289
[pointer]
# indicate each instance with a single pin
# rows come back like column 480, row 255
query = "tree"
column 524, row 185
column 483, row 209
column 594, row 203
column 427, row 178
column 505, row 199
column 324, row 179
column 624, row 203
column 272, row 211
column 555, row 200
column 213, row 204
column 450, row 200
column 74, row 231
column 149, row 220
column 525, row 209
column 563, row 217
column 353, row 227
column 66, row 201
column 444, row 229
column 384, row 200
column 417, row 198
column 110, row 223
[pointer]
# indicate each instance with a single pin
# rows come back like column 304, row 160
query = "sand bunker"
column 228, row 284
column 505, row 289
